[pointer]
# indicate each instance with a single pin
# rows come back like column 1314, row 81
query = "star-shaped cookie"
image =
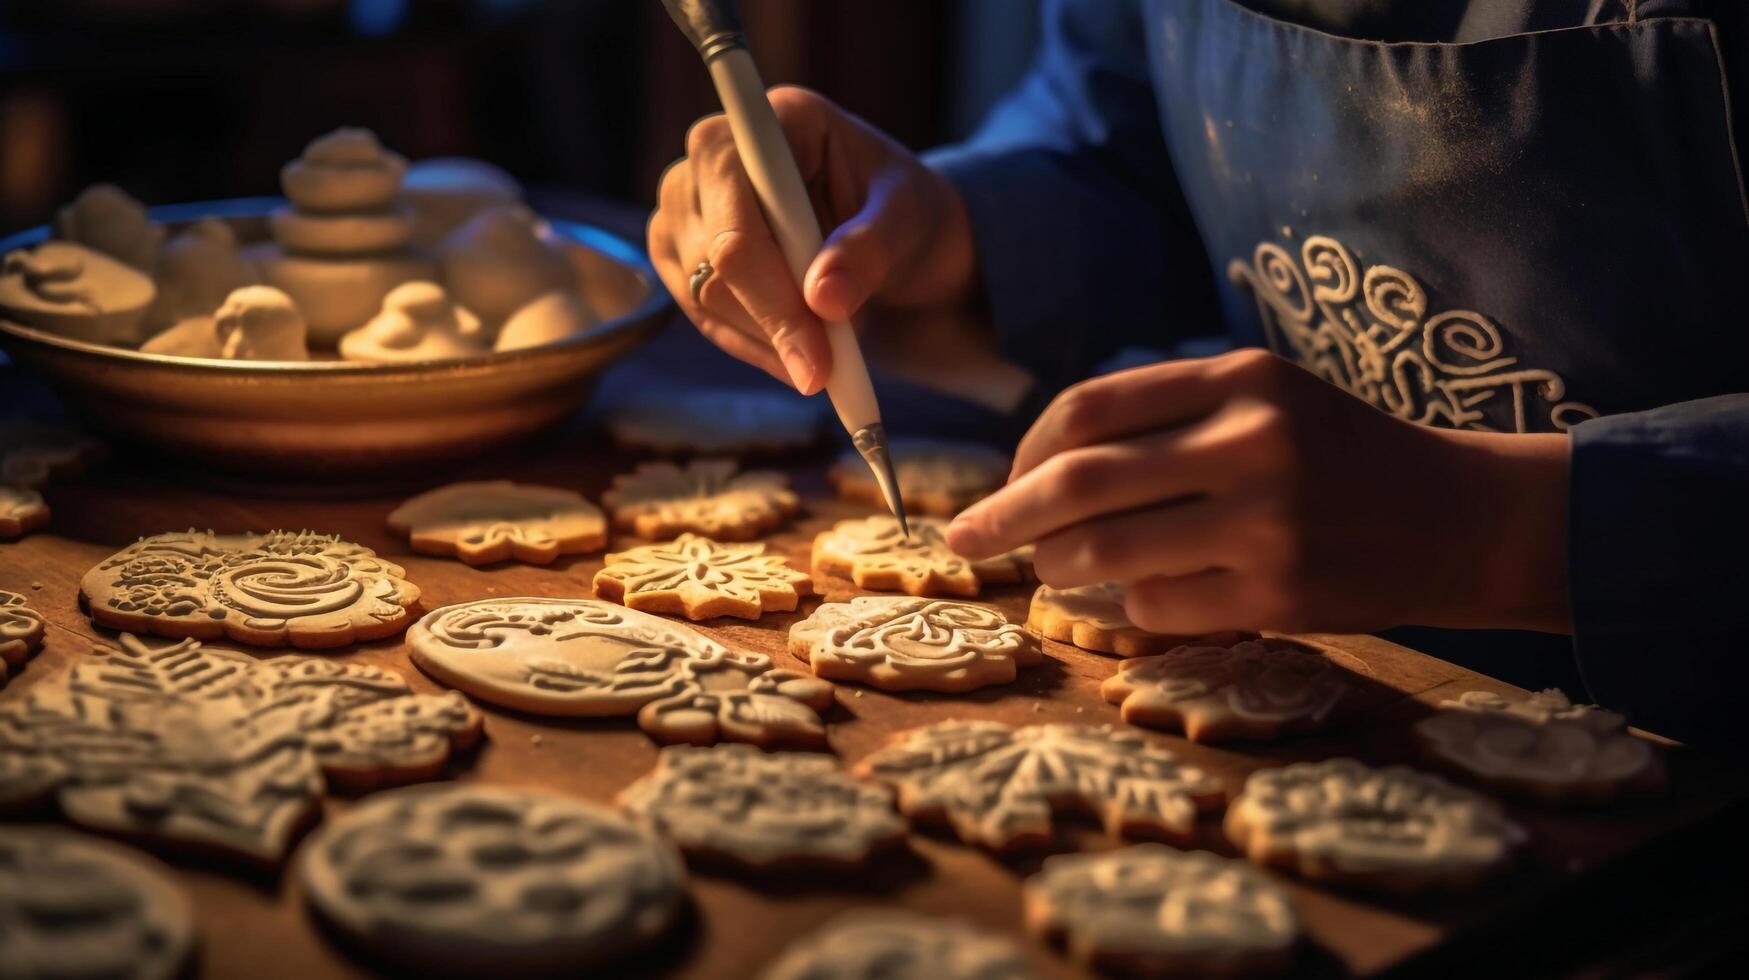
column 497, row 520
column 700, row 578
column 874, row 553
column 706, row 496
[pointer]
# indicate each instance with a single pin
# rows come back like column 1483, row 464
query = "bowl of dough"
column 380, row 317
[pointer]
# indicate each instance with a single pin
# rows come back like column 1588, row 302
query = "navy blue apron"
column 1513, row 234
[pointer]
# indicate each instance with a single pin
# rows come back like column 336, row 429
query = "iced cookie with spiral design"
column 1255, row 690
column 1393, row 830
column 282, row 588
column 488, row 881
column 73, row 907
column 1152, row 911
column 899, row 643
column 699, row 578
column 706, row 496
column 492, row 521
column 1541, row 747
column 762, row 811
column 889, row 944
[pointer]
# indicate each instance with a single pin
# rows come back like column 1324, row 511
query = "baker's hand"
column 1242, row 492
column 896, row 232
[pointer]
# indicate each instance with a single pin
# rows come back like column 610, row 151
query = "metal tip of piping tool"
column 871, row 442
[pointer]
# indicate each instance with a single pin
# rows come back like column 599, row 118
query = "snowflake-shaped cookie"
column 736, row 804
column 700, row 578
column 883, row 944
column 497, row 520
column 874, row 553
column 1151, row 910
column 21, row 633
column 936, row 477
column 490, row 881
column 22, row 511
column 903, row 644
column 74, row 906
column 1542, row 747
column 999, row 786
column 282, row 588
column 706, row 496
column 1391, row 830
column 174, row 742
column 584, row 657
column 1255, row 689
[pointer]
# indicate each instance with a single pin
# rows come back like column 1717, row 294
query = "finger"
column 856, row 260
column 741, row 249
column 1080, row 484
column 716, row 298
column 677, row 278
column 1193, row 605
column 1120, row 404
column 1177, row 539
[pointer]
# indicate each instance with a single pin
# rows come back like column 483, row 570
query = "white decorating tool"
column 714, row 28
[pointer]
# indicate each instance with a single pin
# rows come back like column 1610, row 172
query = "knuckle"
column 706, row 133
column 796, row 101
column 729, row 252
column 1074, row 476
column 1079, row 411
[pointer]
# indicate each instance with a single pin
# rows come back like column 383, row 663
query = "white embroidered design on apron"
column 1369, row 334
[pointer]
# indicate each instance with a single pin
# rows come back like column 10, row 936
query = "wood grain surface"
column 258, row 927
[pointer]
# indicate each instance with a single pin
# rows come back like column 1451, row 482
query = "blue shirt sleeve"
column 1659, row 566
column 1084, row 240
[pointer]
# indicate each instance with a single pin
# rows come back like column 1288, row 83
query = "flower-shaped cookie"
column 1255, row 689
column 1392, row 830
column 700, row 578
column 497, row 520
column 763, row 810
column 1152, row 911
column 874, row 553
column 1541, row 747
column 999, row 786
column 706, row 496
column 903, row 644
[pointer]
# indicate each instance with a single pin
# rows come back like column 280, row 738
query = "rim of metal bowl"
column 655, row 302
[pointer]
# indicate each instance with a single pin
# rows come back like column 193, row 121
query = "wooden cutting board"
column 260, row 928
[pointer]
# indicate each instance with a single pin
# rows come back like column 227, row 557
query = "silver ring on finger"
column 700, row 276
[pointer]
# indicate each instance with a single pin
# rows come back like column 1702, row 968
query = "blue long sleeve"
column 1659, row 566
column 1084, row 241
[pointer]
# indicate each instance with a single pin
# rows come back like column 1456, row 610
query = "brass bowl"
column 325, row 419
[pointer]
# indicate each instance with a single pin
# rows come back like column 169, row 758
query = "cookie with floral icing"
column 886, row 944
column 22, row 630
column 936, row 477
column 22, row 511
column 1000, row 787
column 493, row 521
column 699, row 578
column 875, row 553
column 1541, row 747
column 705, row 496
column 282, row 588
column 1254, row 690
column 492, row 881
column 78, row 908
column 736, row 805
column 1152, row 911
column 1393, row 830
column 899, row 643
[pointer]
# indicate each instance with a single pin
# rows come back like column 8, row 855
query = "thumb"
column 854, row 263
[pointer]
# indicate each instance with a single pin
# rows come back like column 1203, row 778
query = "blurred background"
column 179, row 100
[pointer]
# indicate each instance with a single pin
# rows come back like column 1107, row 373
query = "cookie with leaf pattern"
column 699, row 578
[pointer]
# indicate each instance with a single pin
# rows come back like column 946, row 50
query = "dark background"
column 179, row 100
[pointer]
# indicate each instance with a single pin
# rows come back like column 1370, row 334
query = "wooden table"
column 260, row 928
